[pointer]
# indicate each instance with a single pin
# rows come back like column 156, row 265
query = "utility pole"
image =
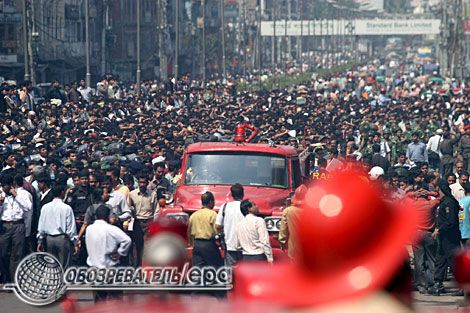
column 301, row 38
column 138, row 47
column 203, row 2
column 31, row 15
column 244, row 39
column 103, row 37
column 259, row 45
column 177, row 37
column 222, row 31
column 274, row 13
column 27, row 75
column 288, row 39
column 162, row 38
column 87, row 43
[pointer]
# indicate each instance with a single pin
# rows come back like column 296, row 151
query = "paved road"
column 10, row 304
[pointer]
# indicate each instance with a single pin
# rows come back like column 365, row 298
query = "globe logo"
column 39, row 279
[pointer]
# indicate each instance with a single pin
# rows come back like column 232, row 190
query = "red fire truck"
column 269, row 174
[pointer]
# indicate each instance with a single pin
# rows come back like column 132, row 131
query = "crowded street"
column 320, row 165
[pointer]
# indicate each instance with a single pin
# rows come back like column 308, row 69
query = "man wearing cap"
column 56, row 229
column 433, row 146
column 447, row 232
column 80, row 199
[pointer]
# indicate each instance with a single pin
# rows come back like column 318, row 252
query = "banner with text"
column 351, row 27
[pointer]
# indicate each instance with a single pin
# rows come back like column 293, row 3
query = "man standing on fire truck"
column 240, row 131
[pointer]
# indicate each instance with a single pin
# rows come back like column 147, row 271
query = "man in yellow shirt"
column 201, row 233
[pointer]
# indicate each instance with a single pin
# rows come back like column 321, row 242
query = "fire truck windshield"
column 229, row 168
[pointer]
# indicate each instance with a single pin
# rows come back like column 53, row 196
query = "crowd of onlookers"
column 122, row 145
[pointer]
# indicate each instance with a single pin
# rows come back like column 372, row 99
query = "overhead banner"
column 351, row 27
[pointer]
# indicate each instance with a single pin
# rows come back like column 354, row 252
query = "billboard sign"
column 351, row 27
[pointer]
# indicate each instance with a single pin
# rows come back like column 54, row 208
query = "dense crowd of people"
column 81, row 150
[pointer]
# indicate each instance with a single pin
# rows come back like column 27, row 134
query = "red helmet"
column 299, row 195
column 350, row 242
column 240, row 133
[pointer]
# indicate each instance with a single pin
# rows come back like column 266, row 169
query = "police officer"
column 80, row 199
column 448, row 233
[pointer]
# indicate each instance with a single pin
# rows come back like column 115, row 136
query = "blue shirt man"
column 416, row 151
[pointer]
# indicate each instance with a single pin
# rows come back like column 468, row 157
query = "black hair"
column 245, row 206
column 102, row 212
column 115, row 171
column 128, row 178
column 157, row 165
column 97, row 195
column 19, row 180
column 58, row 190
column 466, row 186
column 83, row 173
column 464, row 173
column 6, row 179
column 144, row 176
column 237, row 191
column 449, row 175
column 207, row 198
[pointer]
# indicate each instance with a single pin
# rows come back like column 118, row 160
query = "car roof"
column 240, row 147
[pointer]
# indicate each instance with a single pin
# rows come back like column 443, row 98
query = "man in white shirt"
column 28, row 215
column 85, row 91
column 105, row 244
column 457, row 189
column 252, row 235
column 57, row 233
column 434, row 153
column 228, row 217
column 121, row 211
column 14, row 208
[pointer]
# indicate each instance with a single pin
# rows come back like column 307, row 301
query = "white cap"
column 158, row 160
column 376, row 172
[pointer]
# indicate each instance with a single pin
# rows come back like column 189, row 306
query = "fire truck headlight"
column 272, row 223
column 178, row 217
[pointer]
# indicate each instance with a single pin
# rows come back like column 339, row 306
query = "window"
column 263, row 170
column 296, row 175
